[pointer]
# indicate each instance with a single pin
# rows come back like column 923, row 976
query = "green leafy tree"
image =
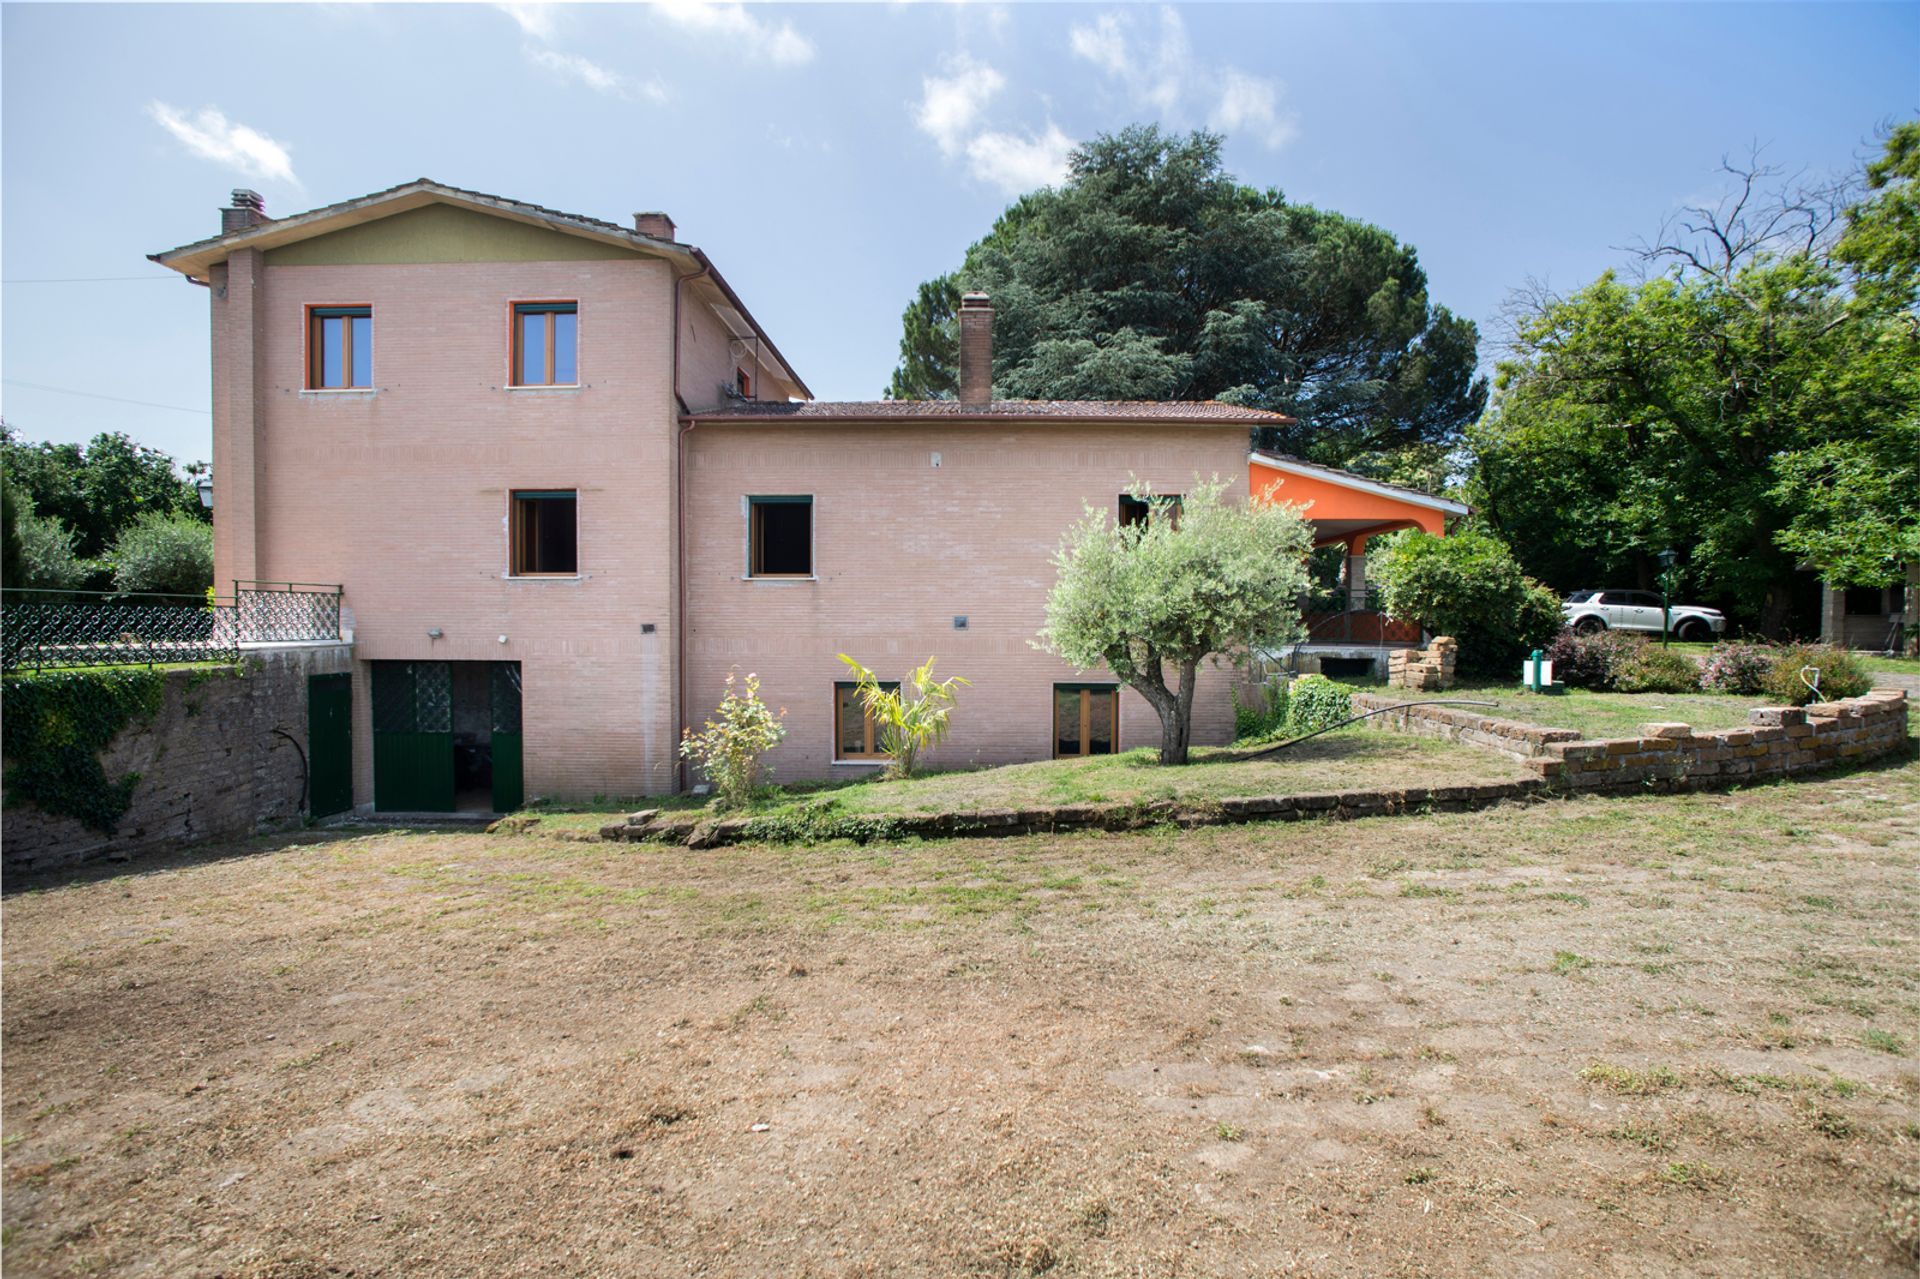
column 1154, row 600
column 12, row 559
column 99, row 490
column 905, row 727
column 1152, row 274
column 1850, row 491
column 1469, row 586
column 164, row 553
column 1882, row 239
column 1745, row 405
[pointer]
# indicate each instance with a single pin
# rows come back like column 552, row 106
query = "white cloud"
column 951, row 105
column 1251, row 104
column 596, row 77
column 535, row 20
column 1104, row 44
column 779, row 44
column 1019, row 164
column 210, row 135
column 1159, row 70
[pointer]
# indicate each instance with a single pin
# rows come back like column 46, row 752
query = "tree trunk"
column 1175, row 709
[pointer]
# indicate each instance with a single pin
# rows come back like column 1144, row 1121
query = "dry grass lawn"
column 1584, row 1037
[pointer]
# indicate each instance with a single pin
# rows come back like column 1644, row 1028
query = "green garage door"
column 508, row 792
column 412, row 737
column 329, row 744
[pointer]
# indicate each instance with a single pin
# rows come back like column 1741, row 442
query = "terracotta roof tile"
column 1208, row 411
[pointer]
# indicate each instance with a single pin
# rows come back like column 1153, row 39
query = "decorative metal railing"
column 287, row 612
column 41, row 629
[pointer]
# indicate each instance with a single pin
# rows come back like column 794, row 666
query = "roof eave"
column 197, row 258
column 733, row 300
column 1360, row 483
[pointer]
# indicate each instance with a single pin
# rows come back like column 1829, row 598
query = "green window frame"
column 865, row 735
column 780, row 536
column 546, row 344
column 545, row 533
column 339, row 348
column 1086, row 720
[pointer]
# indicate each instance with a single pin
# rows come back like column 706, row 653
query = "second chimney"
column 657, row 225
column 247, row 209
column 976, row 349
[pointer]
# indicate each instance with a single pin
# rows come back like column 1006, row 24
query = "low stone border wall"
column 698, row 831
column 1781, row 741
column 1454, row 724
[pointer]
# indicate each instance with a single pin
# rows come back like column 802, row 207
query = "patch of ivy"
column 53, row 727
column 821, row 823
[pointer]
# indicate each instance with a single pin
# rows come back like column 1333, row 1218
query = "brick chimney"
column 976, row 349
column 657, row 225
column 247, row 209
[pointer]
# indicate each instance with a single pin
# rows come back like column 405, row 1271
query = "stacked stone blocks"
column 1426, row 669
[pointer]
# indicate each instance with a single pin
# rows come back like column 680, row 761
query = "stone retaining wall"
column 1779, row 741
column 1459, row 724
column 697, row 830
column 211, row 765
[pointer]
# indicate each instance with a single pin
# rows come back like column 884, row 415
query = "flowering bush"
column 1315, row 702
column 1739, row 668
column 1591, row 661
column 728, row 751
column 1840, row 674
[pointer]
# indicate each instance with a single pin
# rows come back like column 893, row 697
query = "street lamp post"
column 1667, row 558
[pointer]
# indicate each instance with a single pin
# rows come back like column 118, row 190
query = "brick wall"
column 1780, row 741
column 402, row 494
column 211, row 765
column 901, row 547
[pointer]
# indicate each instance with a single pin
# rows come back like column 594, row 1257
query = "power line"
column 91, row 395
column 88, row 279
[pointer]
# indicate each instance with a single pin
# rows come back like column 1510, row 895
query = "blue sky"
column 829, row 158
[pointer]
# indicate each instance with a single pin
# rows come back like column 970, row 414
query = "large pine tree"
column 1153, row 274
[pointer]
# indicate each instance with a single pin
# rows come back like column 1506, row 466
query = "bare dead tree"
column 1765, row 212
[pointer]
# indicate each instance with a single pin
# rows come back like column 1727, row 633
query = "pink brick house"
column 568, row 483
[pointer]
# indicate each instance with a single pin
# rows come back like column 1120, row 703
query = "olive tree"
column 1206, row 580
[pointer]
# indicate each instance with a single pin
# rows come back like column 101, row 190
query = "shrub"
column 1841, row 674
column 1263, row 714
column 1739, row 668
column 1316, row 702
column 1655, row 668
column 1468, row 586
column 902, row 729
column 728, row 751
column 166, row 554
column 1591, row 661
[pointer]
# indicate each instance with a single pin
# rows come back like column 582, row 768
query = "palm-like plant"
column 903, row 728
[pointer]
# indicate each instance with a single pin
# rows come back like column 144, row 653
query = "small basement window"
column 1086, row 719
column 780, row 537
column 339, row 348
column 854, row 733
column 1138, row 512
column 546, row 533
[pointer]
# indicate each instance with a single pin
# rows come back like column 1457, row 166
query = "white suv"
column 1590, row 611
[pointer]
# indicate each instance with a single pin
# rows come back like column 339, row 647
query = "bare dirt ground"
column 1592, row 1037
